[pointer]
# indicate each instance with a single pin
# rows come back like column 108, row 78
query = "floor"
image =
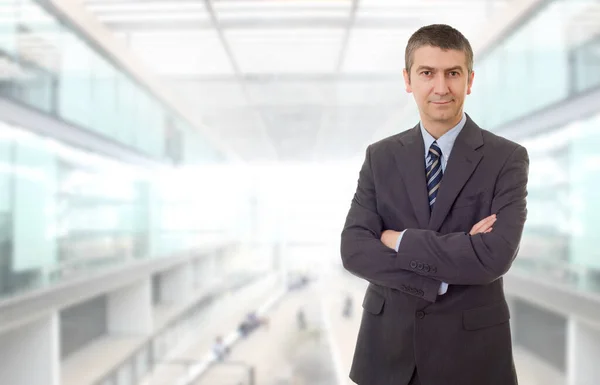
column 321, row 353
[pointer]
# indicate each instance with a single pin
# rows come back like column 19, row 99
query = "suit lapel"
column 462, row 163
column 411, row 162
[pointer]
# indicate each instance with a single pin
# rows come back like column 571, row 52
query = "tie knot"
column 435, row 150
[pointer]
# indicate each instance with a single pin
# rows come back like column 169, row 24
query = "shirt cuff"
column 443, row 288
column 398, row 241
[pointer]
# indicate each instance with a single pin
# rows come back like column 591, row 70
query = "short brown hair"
column 438, row 35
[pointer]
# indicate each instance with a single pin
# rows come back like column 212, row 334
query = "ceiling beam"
column 238, row 73
column 345, row 40
column 214, row 23
column 400, row 23
column 268, row 78
column 333, row 90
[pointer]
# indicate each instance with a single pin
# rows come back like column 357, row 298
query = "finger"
column 483, row 223
column 486, row 227
column 488, row 221
column 487, row 224
column 485, row 220
column 478, row 226
column 484, row 230
column 491, row 218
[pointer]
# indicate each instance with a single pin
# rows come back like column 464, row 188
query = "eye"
column 426, row 73
column 454, row 73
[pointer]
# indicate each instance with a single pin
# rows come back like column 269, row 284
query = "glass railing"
column 45, row 63
column 65, row 212
column 578, row 278
column 550, row 57
column 560, row 241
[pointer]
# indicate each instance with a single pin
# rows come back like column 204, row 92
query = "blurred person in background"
column 434, row 224
column 301, row 319
column 347, row 308
column 220, row 350
column 251, row 322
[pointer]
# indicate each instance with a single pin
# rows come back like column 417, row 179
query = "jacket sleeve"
column 363, row 253
column 461, row 259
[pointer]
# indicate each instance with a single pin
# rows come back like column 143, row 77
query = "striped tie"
column 434, row 172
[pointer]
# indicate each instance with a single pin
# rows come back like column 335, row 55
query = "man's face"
column 439, row 81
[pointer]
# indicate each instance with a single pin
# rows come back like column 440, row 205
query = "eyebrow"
column 427, row 68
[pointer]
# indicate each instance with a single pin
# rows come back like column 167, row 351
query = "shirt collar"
column 446, row 141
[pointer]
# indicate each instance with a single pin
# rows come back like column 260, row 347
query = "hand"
column 389, row 238
column 484, row 226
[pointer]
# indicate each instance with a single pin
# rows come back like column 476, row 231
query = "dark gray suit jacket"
column 462, row 337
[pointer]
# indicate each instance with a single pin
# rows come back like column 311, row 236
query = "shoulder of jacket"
column 500, row 143
column 385, row 143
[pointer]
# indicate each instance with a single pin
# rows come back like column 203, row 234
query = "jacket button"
column 420, row 315
column 433, row 269
column 403, row 288
column 426, row 268
column 413, row 264
column 421, row 293
column 420, row 265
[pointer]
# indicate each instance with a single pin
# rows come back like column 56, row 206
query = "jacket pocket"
column 486, row 316
column 373, row 302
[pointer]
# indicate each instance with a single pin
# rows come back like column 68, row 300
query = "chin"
column 443, row 115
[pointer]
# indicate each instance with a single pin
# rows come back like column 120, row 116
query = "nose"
column 440, row 86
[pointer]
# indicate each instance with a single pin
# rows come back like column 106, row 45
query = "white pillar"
column 583, row 353
column 29, row 355
column 130, row 309
column 177, row 284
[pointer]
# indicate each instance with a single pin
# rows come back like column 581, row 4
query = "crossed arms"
column 458, row 258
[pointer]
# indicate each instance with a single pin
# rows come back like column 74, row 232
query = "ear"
column 470, row 82
column 406, row 80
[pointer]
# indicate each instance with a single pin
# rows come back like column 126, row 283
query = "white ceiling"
column 288, row 80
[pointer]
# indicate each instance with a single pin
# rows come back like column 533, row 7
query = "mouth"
column 441, row 103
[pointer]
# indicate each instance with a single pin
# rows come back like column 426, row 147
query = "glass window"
column 492, row 76
column 65, row 212
column 586, row 65
column 549, row 61
column 542, row 62
column 585, row 185
column 104, row 96
column 98, row 202
column 8, row 26
column 6, row 193
column 75, row 81
column 516, row 76
column 563, row 186
column 156, row 121
column 47, row 65
column 127, row 95
column 475, row 103
column 34, row 209
column 9, row 68
column 38, row 51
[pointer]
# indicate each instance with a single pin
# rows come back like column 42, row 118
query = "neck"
column 438, row 128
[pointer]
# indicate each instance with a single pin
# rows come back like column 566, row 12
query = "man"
column 220, row 350
column 435, row 223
